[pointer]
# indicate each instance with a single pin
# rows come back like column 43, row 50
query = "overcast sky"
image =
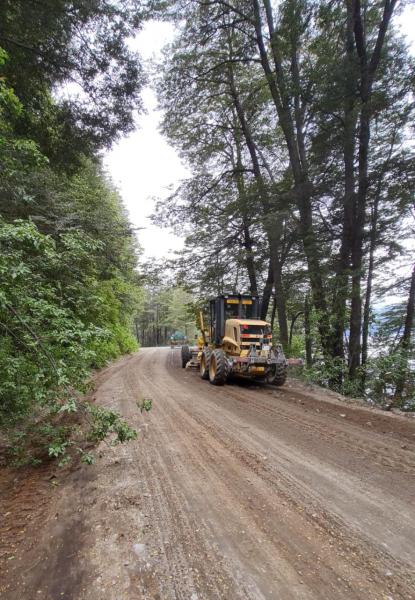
column 145, row 167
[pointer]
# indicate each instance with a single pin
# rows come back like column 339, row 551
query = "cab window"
column 231, row 310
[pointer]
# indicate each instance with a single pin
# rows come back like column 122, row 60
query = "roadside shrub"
column 56, row 323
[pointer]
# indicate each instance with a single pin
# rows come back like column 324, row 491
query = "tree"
column 70, row 289
column 282, row 102
column 405, row 343
column 72, row 70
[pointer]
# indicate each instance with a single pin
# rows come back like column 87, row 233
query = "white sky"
column 144, row 167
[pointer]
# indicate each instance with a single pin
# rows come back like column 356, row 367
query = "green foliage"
column 384, row 371
column 116, row 302
column 297, row 348
column 44, row 341
column 146, row 405
column 177, row 302
column 68, row 254
column 17, row 153
column 105, row 422
column 334, row 375
column 56, row 43
column 59, row 316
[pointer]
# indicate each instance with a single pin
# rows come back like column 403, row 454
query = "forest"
column 295, row 120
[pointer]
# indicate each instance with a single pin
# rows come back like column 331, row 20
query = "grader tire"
column 280, row 376
column 186, row 355
column 204, row 363
column 218, row 368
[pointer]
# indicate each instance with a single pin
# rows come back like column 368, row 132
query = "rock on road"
column 236, row 492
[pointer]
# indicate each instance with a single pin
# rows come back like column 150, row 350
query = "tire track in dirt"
column 392, row 455
column 189, row 559
column 350, row 461
column 233, row 493
column 289, row 580
column 156, row 373
column 363, row 491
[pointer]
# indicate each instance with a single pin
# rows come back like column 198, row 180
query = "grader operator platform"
column 236, row 343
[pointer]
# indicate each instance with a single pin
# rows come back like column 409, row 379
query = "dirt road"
column 232, row 493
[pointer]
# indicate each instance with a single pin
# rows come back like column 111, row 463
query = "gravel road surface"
column 234, row 492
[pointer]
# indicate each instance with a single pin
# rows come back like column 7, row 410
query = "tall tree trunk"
column 274, row 310
column 409, row 319
column 372, row 248
column 368, row 69
column 274, row 229
column 357, row 246
column 295, row 146
column 349, row 145
column 405, row 342
column 293, row 322
column 280, row 302
column 266, row 294
column 307, row 334
column 368, row 295
column 247, row 240
column 249, row 258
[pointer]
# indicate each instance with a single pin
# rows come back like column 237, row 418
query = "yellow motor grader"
column 236, row 343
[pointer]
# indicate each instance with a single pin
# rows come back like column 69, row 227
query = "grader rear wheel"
column 218, row 368
column 204, row 363
column 186, row 355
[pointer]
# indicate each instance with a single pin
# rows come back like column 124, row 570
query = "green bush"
column 57, row 320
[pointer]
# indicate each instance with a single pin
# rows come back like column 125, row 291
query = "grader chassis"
column 236, row 343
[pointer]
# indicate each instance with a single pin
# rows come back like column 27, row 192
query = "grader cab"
column 235, row 342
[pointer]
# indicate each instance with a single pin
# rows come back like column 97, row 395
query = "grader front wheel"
column 218, row 368
column 279, row 375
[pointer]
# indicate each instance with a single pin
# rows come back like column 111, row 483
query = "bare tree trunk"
column 274, row 310
column 247, row 240
column 368, row 68
column 280, row 302
column 370, row 271
column 368, row 295
column 405, row 342
column 293, row 322
column 357, row 247
column 249, row 258
column 295, row 146
column 409, row 319
column 349, row 145
column 307, row 333
column 372, row 248
column 266, row 295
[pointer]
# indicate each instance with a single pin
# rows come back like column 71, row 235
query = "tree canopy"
column 296, row 122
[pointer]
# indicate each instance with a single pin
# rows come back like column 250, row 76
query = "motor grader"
column 235, row 342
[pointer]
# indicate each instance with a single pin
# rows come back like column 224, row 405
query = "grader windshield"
column 236, row 308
